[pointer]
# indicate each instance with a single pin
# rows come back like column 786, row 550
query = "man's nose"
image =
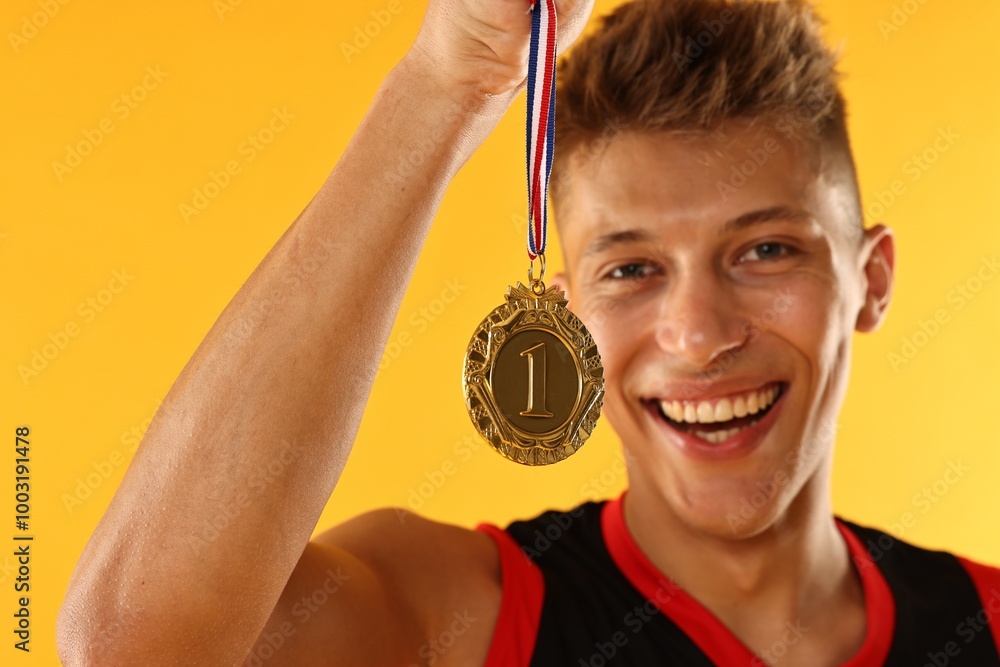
column 698, row 320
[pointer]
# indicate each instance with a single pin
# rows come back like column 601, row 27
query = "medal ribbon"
column 541, row 120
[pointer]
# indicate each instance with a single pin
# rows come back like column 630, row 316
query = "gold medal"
column 534, row 383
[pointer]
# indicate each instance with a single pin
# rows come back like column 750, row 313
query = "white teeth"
column 705, row 412
column 739, row 407
column 716, row 437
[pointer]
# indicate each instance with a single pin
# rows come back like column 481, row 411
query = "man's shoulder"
column 448, row 574
column 392, row 538
column 431, row 560
column 902, row 559
column 382, row 535
column 879, row 543
column 442, row 560
column 556, row 537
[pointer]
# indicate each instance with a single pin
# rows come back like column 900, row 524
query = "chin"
column 731, row 501
column 738, row 510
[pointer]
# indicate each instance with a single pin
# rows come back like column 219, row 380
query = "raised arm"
column 191, row 559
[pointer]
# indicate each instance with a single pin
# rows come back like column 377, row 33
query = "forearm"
column 237, row 465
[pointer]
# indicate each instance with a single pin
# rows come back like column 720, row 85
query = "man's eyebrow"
column 622, row 237
column 764, row 215
column 605, row 241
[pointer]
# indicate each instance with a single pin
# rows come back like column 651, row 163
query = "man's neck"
column 797, row 570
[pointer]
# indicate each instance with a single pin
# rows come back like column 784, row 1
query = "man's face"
column 723, row 304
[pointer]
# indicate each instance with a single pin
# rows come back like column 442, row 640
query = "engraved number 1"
column 536, row 378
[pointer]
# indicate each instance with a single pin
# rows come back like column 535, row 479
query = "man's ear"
column 879, row 256
column 561, row 280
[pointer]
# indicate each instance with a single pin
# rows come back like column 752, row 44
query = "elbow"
column 74, row 638
column 70, row 643
column 85, row 638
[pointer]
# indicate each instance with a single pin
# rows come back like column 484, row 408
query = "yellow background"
column 228, row 66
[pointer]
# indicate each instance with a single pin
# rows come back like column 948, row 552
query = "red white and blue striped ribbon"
column 541, row 120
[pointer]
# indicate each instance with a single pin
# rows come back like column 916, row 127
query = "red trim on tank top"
column 523, row 592
column 987, row 582
column 708, row 632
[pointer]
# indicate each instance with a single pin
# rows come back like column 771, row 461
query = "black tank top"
column 586, row 596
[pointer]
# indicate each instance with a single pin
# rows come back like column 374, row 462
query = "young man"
column 711, row 224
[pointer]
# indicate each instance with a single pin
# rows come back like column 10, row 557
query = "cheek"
column 806, row 313
column 617, row 329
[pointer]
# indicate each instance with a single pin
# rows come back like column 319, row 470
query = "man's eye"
column 631, row 272
column 766, row 251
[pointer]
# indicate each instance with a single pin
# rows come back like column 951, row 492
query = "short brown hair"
column 689, row 66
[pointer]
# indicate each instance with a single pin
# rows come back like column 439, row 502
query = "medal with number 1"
column 533, row 380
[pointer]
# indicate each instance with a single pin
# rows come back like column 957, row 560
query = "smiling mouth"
column 718, row 420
